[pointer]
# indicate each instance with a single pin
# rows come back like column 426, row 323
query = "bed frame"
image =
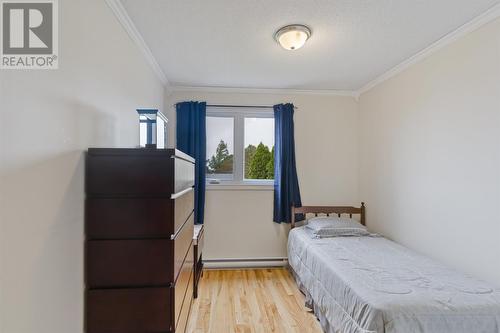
column 339, row 210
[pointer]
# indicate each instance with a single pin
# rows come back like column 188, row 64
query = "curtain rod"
column 242, row 106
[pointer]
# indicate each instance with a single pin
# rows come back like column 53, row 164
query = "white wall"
column 239, row 222
column 430, row 155
column 47, row 120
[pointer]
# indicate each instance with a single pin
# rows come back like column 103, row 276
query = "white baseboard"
column 227, row 263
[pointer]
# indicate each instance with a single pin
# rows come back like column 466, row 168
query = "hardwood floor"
column 248, row 301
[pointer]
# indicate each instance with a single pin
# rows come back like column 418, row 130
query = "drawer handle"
column 174, row 236
column 181, row 156
column 181, row 193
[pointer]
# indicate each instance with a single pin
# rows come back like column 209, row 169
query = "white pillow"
column 325, row 226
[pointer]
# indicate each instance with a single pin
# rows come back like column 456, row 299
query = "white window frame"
column 239, row 114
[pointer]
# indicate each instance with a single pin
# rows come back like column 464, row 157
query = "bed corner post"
column 363, row 214
column 292, row 222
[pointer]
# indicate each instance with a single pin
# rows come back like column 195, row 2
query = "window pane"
column 220, row 147
column 259, row 148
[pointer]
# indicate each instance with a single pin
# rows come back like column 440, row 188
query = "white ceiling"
column 229, row 43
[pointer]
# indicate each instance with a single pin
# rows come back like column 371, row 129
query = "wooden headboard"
column 339, row 210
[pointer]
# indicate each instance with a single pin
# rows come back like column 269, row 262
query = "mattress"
column 371, row 284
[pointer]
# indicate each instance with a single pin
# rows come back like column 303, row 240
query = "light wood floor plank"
column 250, row 301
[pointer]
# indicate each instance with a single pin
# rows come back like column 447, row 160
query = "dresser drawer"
column 128, row 310
column 183, row 206
column 183, row 282
column 198, row 260
column 120, row 263
column 183, row 318
column 111, row 175
column 200, row 243
column 182, row 244
column 118, row 218
column 183, row 174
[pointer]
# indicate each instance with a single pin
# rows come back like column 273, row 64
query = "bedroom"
column 395, row 104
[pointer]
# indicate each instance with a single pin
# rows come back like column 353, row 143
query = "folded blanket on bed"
column 323, row 227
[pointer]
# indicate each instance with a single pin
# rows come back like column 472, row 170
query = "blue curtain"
column 286, row 185
column 191, row 139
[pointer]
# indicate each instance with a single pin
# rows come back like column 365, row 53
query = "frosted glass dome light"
column 292, row 37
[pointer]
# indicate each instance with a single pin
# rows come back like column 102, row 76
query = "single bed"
column 371, row 285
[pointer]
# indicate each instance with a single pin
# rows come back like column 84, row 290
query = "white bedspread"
column 371, row 284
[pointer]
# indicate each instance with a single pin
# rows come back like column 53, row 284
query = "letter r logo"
column 27, row 28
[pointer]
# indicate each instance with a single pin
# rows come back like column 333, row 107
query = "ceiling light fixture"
column 292, row 37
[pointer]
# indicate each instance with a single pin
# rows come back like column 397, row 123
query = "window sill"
column 250, row 186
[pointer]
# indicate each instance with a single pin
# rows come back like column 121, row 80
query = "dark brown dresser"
column 138, row 251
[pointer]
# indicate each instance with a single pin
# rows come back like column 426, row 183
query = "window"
column 240, row 146
column 220, row 148
column 259, row 148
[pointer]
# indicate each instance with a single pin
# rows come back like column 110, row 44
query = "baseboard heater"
column 245, row 262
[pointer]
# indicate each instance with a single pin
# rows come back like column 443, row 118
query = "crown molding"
column 280, row 91
column 477, row 22
column 125, row 20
